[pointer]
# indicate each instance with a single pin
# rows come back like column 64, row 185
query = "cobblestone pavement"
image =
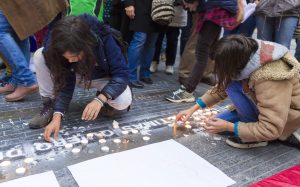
column 151, row 114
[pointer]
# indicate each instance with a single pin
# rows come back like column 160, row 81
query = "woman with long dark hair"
column 262, row 81
column 79, row 50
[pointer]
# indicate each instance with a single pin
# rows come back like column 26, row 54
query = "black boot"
column 44, row 117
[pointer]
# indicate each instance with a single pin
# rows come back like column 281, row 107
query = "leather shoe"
column 147, row 80
column 6, row 89
column 136, row 84
column 21, row 92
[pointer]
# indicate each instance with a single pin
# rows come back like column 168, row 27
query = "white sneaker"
column 153, row 67
column 169, row 70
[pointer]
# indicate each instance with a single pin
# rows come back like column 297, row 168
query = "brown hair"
column 73, row 35
column 231, row 54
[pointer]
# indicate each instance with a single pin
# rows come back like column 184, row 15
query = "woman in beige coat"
column 262, row 80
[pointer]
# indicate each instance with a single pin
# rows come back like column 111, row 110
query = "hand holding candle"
column 217, row 125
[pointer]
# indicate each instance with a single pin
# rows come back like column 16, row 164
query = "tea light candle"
column 187, row 123
column 28, row 160
column 214, row 112
column 207, row 110
column 75, row 150
column 84, row 142
column 134, row 131
column 117, row 141
column 68, row 146
column 146, row 138
column 5, row 163
column 125, row 132
column 20, row 170
column 105, row 149
column 90, row 135
column 115, row 124
column 208, row 114
column 102, row 141
column 188, row 126
column 202, row 124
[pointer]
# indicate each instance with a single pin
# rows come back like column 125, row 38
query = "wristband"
column 236, row 129
column 100, row 101
column 201, row 103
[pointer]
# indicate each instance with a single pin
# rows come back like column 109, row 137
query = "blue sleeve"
column 64, row 97
column 117, row 67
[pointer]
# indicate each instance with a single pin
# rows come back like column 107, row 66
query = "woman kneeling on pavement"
column 262, row 81
column 79, row 50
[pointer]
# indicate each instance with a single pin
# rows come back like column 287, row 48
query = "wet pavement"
column 150, row 114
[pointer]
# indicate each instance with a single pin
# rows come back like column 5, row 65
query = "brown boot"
column 21, row 92
column 6, row 89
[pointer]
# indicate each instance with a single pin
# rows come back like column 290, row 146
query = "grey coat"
column 278, row 8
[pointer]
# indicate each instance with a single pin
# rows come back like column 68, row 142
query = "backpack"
column 117, row 35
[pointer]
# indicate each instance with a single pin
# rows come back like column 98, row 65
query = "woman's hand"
column 130, row 12
column 217, row 125
column 184, row 115
column 52, row 128
column 91, row 110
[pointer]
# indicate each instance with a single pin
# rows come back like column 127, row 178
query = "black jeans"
column 208, row 35
column 172, row 34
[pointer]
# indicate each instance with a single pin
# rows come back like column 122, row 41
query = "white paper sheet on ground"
column 162, row 164
column 46, row 179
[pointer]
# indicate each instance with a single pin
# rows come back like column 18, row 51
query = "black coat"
column 142, row 21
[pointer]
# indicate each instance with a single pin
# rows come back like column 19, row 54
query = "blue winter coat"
column 110, row 62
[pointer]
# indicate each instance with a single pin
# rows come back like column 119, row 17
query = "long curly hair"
column 231, row 54
column 70, row 34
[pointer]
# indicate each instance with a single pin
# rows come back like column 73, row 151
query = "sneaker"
column 147, row 80
column 237, row 143
column 43, row 118
column 293, row 140
column 180, row 95
column 169, row 70
column 153, row 67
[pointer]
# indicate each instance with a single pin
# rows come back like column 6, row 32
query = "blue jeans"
column 297, row 53
column 246, row 110
column 246, row 28
column 141, row 51
column 17, row 54
column 276, row 29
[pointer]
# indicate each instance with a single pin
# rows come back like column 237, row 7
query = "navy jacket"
column 110, row 62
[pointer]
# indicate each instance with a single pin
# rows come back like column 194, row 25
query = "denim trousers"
column 16, row 53
column 140, row 52
column 276, row 29
column 172, row 34
column 246, row 28
column 297, row 53
column 246, row 110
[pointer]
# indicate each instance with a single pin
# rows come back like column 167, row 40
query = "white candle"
column 115, row 124
column 105, row 149
column 102, row 141
column 125, row 132
column 20, row 170
column 117, row 141
column 90, row 135
column 5, row 163
column 134, row 131
column 68, row 146
column 207, row 110
column 75, row 150
column 28, row 160
column 146, row 138
column 188, row 126
column 84, row 142
column 214, row 112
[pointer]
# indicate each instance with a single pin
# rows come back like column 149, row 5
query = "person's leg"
column 134, row 53
column 186, row 32
column 172, row 42
column 246, row 28
column 147, row 56
column 285, row 28
column 265, row 28
column 245, row 107
column 122, row 102
column 21, row 76
column 158, row 46
column 43, row 75
column 208, row 35
column 46, row 91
